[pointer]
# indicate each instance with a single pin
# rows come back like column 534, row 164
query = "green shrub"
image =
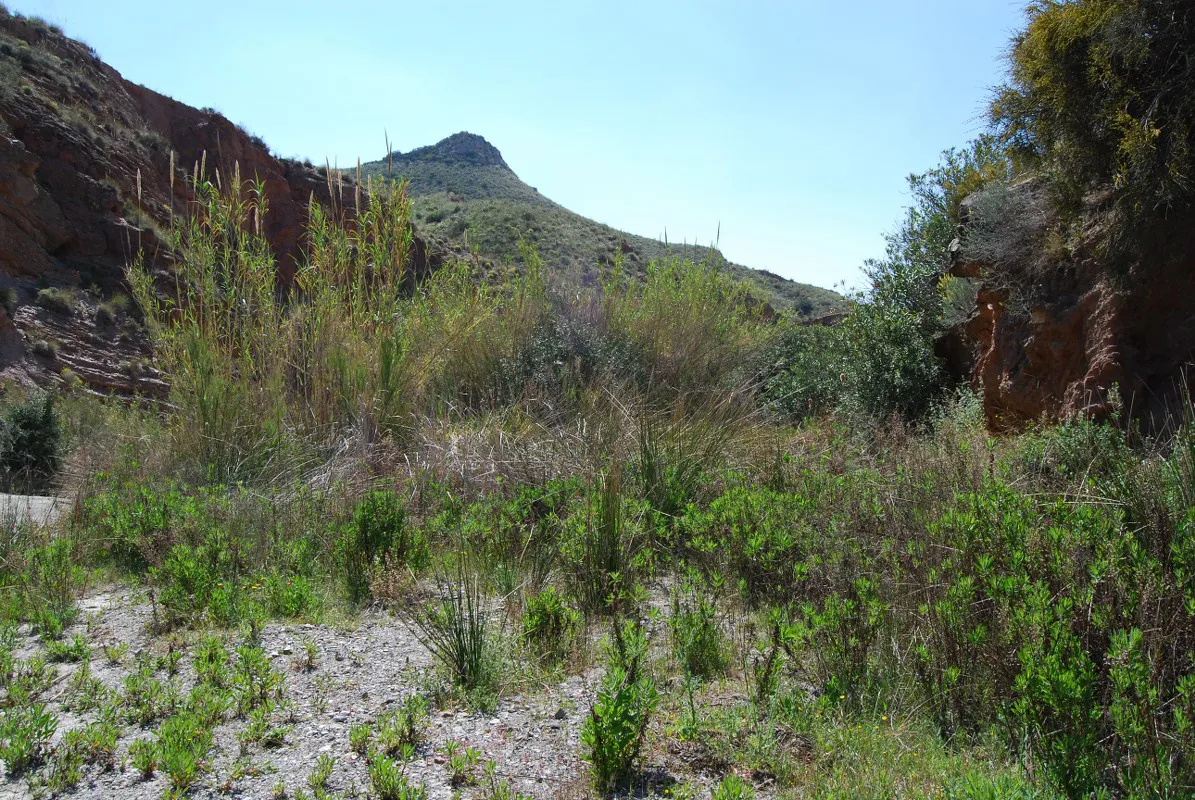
column 697, row 637
column 616, row 727
column 56, row 300
column 388, row 780
column 256, row 682
column 379, row 535
column 183, row 743
column 144, row 753
column 404, row 728
column 733, row 787
column 50, row 585
column 1099, row 94
column 25, row 733
column 550, row 624
column 757, row 534
column 801, row 370
column 30, row 444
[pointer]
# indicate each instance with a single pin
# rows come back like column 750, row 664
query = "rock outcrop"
column 85, row 186
column 1051, row 341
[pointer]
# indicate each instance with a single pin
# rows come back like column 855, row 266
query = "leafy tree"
column 881, row 359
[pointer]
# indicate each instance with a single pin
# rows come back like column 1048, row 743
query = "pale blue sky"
column 791, row 124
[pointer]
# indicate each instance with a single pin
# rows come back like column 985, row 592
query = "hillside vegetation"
column 706, row 551
column 463, row 192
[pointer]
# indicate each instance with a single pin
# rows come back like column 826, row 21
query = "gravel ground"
column 364, row 669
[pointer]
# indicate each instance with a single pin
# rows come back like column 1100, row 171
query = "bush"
column 614, row 732
column 30, row 444
column 56, row 300
column 404, row 728
column 389, row 781
column 550, row 624
column 697, row 637
column 379, row 535
column 733, row 787
column 1100, row 94
column 25, row 733
column 801, row 370
column 182, row 746
column 50, row 585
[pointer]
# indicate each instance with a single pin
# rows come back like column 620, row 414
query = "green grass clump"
column 460, row 630
column 57, row 301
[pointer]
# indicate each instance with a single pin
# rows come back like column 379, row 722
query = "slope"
column 464, row 191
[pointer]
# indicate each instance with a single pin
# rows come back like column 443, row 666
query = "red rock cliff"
column 84, row 184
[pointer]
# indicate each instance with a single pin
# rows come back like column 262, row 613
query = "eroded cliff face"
column 1057, row 349
column 85, row 186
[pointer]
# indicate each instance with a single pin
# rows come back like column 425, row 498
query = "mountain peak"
column 459, row 148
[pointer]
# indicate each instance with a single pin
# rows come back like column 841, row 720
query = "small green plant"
column 28, row 681
column 75, row 650
column 462, row 762
column 600, row 548
column 95, row 742
column 308, row 660
column 115, row 654
column 261, row 728
column 404, row 727
column 697, row 638
column 66, row 770
column 360, row 738
column 550, row 624
column 322, row 773
column 183, row 745
column 389, row 781
column 614, row 731
column 211, row 662
column 497, row 788
column 50, row 584
column 144, row 753
column 25, row 732
column 255, row 680
column 144, row 698
column 733, row 787
column 88, row 692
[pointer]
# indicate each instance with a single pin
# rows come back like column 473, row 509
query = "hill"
column 463, row 190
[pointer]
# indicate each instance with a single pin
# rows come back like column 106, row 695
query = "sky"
column 786, row 130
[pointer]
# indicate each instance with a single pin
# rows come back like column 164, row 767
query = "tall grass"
column 356, row 347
